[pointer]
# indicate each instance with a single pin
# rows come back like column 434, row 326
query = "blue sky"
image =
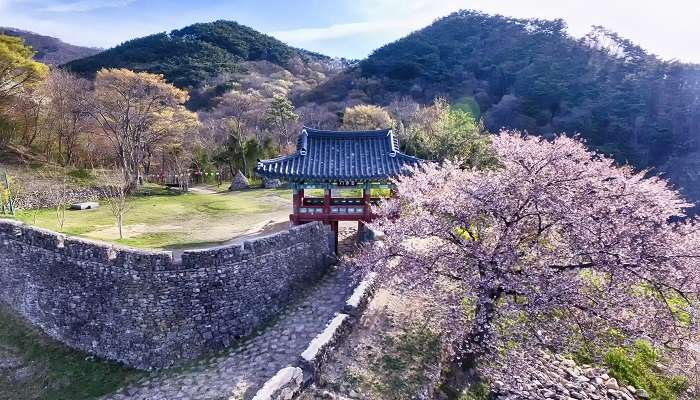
column 350, row 28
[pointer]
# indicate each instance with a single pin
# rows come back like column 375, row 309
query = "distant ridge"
column 190, row 56
column 51, row 50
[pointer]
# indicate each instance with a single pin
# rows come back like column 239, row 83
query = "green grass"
column 404, row 362
column 477, row 391
column 638, row 365
column 55, row 372
column 166, row 219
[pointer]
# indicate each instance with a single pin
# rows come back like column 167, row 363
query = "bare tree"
column 318, row 116
column 236, row 107
column 180, row 160
column 67, row 111
column 116, row 195
column 28, row 113
column 59, row 191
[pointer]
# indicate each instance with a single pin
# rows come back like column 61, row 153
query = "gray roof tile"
column 337, row 155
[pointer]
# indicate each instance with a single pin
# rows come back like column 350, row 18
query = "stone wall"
column 141, row 308
column 42, row 198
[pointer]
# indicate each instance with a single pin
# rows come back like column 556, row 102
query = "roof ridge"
column 347, row 133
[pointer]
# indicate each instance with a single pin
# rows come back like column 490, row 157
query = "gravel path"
column 240, row 372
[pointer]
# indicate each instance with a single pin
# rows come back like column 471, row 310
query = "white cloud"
column 670, row 31
column 338, row 31
column 86, row 5
column 393, row 17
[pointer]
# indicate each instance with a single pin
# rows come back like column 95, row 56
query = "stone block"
column 317, row 350
column 284, row 385
column 87, row 205
column 360, row 296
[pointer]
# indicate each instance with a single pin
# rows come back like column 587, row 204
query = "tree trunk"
column 130, row 179
column 474, row 345
column 240, row 143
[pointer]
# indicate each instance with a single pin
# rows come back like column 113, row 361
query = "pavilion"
column 337, row 175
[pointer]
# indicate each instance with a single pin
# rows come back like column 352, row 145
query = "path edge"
column 289, row 382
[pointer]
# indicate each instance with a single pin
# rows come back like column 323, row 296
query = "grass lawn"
column 41, row 368
column 164, row 220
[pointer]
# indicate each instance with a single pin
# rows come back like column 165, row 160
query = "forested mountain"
column 513, row 73
column 197, row 54
column 51, row 50
column 531, row 75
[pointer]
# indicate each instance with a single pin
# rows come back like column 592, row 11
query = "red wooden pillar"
column 297, row 202
column 327, row 202
column 334, row 228
column 366, row 200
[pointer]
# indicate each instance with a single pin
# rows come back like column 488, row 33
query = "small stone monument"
column 239, row 182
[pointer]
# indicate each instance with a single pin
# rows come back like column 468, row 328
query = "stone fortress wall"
column 141, row 308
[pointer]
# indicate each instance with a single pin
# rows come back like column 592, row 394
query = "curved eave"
column 284, row 168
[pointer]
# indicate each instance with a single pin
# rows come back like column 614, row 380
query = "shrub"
column 477, row 391
column 638, row 365
column 82, row 175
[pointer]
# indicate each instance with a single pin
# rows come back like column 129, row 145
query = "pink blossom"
column 556, row 247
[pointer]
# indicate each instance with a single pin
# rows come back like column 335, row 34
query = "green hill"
column 193, row 55
column 531, row 75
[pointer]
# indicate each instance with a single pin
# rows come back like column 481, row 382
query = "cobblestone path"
column 240, row 372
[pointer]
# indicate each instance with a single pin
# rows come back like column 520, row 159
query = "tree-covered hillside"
column 531, row 75
column 50, row 50
column 196, row 54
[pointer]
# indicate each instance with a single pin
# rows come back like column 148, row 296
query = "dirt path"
column 268, row 228
column 203, row 190
column 208, row 219
column 271, row 223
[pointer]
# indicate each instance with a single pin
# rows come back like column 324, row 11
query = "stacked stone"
column 547, row 376
column 44, row 198
column 141, row 308
column 289, row 382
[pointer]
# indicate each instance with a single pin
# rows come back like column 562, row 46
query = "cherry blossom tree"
column 556, row 247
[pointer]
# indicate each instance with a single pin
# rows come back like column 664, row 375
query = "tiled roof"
column 333, row 155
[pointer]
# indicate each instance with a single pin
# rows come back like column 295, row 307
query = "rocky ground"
column 389, row 355
column 546, row 376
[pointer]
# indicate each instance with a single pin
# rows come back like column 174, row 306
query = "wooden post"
column 327, row 201
column 360, row 231
column 334, row 228
column 297, row 202
column 366, row 200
